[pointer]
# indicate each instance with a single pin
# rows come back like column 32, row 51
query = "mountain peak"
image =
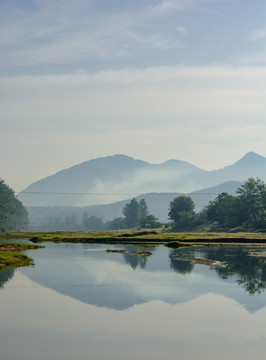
column 251, row 154
column 178, row 163
column 251, row 158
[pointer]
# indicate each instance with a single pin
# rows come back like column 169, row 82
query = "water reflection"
column 249, row 270
column 182, row 267
column 134, row 260
column 38, row 323
column 5, row 276
column 119, row 281
column 192, row 310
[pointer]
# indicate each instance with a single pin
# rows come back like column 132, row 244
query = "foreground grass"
column 137, row 237
column 10, row 256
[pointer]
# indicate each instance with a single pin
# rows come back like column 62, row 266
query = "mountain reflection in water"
column 90, row 274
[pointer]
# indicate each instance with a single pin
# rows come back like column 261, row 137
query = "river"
column 80, row 302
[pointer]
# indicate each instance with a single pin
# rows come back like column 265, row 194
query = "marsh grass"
column 13, row 246
column 10, row 256
column 124, row 237
column 13, row 259
column 144, row 253
column 122, row 251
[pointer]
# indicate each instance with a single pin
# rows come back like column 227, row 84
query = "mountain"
column 54, row 218
column 119, row 177
column 251, row 164
column 67, row 187
column 108, row 179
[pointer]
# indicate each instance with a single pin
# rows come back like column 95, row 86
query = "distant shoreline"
column 140, row 237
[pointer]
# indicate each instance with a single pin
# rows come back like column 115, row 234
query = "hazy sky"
column 153, row 79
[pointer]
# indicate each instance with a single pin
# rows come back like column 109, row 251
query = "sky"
column 152, row 79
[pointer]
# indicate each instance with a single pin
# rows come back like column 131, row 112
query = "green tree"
column 182, row 212
column 224, row 210
column 116, row 224
column 92, row 222
column 132, row 213
column 252, row 197
column 71, row 222
column 149, row 222
column 13, row 215
column 144, row 211
column 248, row 208
column 137, row 214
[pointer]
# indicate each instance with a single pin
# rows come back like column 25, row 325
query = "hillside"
column 109, row 179
column 119, row 177
column 53, row 218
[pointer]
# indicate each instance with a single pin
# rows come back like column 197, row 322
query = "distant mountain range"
column 119, row 177
column 51, row 218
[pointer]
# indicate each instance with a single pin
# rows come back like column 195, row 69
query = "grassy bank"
column 120, row 237
column 10, row 255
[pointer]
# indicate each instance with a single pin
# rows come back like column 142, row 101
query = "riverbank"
column 10, row 255
column 140, row 237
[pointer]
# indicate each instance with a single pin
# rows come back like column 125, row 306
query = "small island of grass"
column 10, row 255
column 121, row 251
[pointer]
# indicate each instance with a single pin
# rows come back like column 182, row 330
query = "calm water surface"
column 79, row 302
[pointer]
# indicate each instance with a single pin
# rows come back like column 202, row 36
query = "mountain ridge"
column 112, row 178
column 158, row 204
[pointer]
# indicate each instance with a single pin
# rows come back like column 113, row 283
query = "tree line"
column 136, row 215
column 13, row 215
column 246, row 210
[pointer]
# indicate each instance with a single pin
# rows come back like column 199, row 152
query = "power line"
column 72, row 193
column 115, row 194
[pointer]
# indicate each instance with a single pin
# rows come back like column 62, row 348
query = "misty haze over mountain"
column 110, row 179
column 103, row 186
column 158, row 203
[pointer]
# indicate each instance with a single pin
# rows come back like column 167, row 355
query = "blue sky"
column 155, row 80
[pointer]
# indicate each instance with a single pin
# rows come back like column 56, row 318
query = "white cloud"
column 188, row 113
column 147, row 111
column 171, row 5
column 255, row 58
column 181, row 29
column 258, row 34
column 62, row 33
column 147, row 95
column 145, row 76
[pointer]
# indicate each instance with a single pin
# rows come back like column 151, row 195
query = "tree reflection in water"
column 5, row 276
column 182, row 267
column 250, row 270
column 134, row 260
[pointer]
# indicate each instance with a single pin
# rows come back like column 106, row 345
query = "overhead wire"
column 114, row 194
